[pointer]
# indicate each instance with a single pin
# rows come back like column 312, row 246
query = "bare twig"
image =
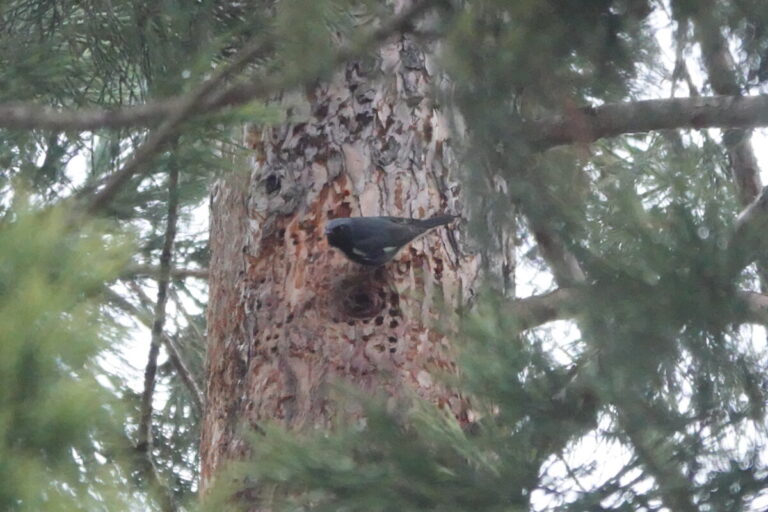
column 176, row 273
column 566, row 303
column 177, row 359
column 150, row 472
column 144, row 435
column 184, row 372
column 190, row 321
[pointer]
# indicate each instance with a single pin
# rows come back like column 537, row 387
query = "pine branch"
column 26, row 116
column 588, row 124
column 583, row 125
column 564, row 304
column 178, row 361
column 680, row 70
column 144, row 435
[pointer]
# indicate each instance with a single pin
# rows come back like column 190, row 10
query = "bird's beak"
column 327, row 230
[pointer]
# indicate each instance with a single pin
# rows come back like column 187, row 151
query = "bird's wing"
column 402, row 230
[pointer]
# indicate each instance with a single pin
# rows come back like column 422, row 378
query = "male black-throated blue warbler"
column 376, row 240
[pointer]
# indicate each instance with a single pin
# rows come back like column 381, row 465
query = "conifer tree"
column 589, row 336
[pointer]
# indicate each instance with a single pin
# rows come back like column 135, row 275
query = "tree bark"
column 288, row 315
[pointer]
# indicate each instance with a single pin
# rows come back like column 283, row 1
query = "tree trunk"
column 288, row 315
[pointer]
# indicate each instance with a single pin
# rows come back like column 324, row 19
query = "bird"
column 374, row 241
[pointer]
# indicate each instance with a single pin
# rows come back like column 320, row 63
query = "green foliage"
column 418, row 458
column 58, row 425
column 534, row 413
column 109, row 54
column 424, row 462
column 657, row 369
column 517, row 61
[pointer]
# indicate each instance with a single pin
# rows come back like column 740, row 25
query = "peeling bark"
column 288, row 315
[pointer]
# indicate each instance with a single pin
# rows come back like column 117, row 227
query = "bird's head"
column 338, row 230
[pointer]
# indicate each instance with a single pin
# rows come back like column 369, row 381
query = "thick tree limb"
column 589, row 124
column 757, row 307
column 564, row 304
column 537, row 310
column 565, row 267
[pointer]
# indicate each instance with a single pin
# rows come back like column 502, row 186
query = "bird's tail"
column 437, row 221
